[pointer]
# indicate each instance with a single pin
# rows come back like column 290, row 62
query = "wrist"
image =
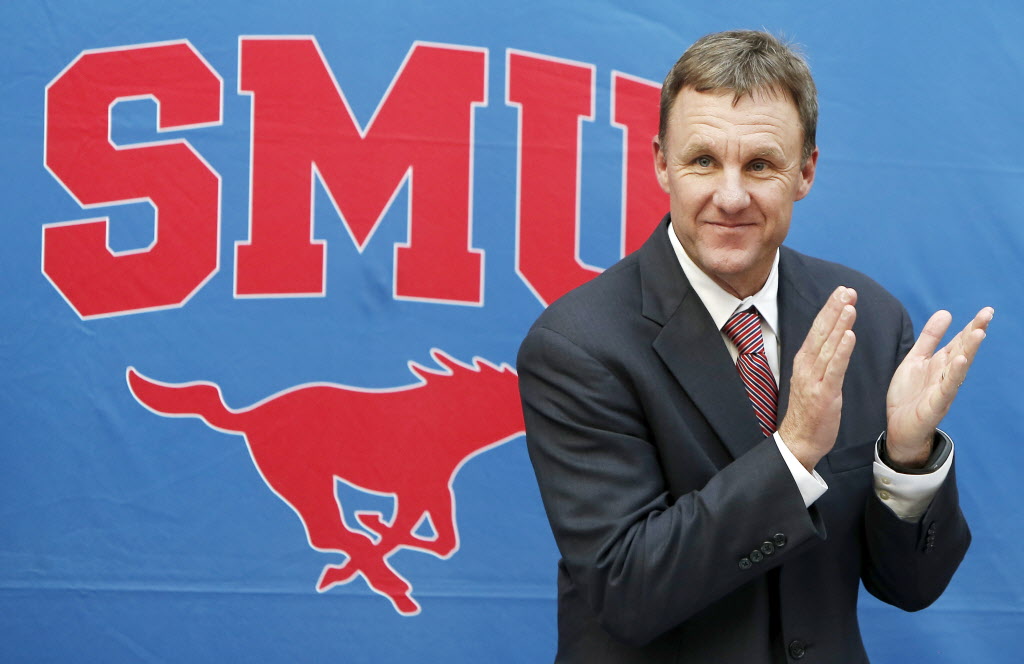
column 938, row 447
column 805, row 454
column 909, row 455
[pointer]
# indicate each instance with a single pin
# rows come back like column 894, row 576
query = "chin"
column 731, row 263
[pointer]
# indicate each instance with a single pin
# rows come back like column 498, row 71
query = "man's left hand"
column 925, row 384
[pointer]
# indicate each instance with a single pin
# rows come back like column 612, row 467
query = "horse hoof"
column 334, row 575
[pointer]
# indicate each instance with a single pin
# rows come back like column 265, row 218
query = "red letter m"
column 303, row 130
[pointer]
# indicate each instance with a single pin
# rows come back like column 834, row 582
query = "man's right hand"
column 811, row 424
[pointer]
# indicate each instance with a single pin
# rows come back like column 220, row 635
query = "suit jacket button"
column 745, row 563
column 767, row 548
column 756, row 556
column 797, row 649
column 779, row 539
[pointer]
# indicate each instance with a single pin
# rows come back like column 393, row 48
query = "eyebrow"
column 695, row 149
column 701, row 147
column 768, row 152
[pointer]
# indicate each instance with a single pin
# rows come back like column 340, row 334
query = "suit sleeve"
column 645, row 560
column 909, row 564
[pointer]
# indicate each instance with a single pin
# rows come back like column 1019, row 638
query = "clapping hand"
column 925, row 384
column 816, row 388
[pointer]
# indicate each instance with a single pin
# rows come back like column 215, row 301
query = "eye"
column 759, row 166
column 703, row 162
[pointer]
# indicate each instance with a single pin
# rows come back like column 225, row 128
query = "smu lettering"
column 304, row 132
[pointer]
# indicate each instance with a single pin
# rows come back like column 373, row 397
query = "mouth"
column 729, row 225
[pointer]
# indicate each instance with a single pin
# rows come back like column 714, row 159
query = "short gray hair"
column 744, row 61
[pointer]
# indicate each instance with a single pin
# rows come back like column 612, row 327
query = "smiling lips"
column 729, row 225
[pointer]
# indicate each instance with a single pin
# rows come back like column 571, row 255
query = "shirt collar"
column 721, row 304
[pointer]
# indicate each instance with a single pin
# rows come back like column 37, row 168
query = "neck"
column 741, row 287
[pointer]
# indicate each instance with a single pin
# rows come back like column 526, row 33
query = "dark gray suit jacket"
column 683, row 536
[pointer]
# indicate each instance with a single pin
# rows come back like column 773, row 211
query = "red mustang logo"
column 408, row 442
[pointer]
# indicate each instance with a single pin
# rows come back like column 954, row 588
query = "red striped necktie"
column 744, row 328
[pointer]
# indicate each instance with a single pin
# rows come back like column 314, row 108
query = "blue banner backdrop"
column 319, row 232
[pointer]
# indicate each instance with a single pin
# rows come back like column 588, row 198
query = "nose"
column 731, row 196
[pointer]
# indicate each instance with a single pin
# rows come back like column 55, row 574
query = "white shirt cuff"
column 908, row 496
column 810, row 484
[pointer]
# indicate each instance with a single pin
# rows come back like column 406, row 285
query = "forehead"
column 762, row 114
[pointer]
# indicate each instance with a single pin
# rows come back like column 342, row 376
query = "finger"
column 847, row 316
column 931, row 334
column 967, row 342
column 826, row 319
column 983, row 318
column 836, row 370
column 955, row 371
column 956, row 374
column 968, row 345
column 941, row 399
column 975, row 333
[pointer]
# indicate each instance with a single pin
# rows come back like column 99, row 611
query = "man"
column 692, row 527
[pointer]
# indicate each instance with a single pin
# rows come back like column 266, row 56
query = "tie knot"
column 744, row 328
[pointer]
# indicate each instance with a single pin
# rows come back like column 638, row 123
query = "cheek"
column 775, row 199
column 691, row 192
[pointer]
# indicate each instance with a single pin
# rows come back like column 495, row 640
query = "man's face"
column 732, row 173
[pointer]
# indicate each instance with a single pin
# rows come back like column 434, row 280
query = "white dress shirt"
column 906, row 495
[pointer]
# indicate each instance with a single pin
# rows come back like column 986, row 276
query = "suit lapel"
column 798, row 305
column 692, row 348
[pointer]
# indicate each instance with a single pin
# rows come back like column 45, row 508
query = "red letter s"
column 182, row 187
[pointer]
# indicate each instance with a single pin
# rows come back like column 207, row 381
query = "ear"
column 807, row 175
column 660, row 163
